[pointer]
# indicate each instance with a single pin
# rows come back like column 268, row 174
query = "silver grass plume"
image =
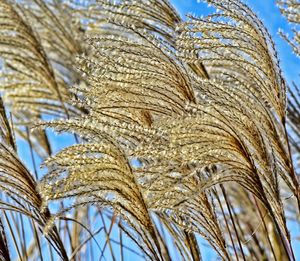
column 177, row 120
column 189, row 128
column 19, row 185
column 246, row 82
column 38, row 64
column 291, row 11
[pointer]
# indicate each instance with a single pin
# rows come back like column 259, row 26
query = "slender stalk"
column 107, row 233
column 77, row 249
column 227, row 225
column 24, row 248
column 265, row 228
column 232, row 219
column 13, row 236
column 3, row 243
column 193, row 246
column 36, row 237
column 31, row 153
column 121, row 243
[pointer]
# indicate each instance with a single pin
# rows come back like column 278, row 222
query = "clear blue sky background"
column 269, row 13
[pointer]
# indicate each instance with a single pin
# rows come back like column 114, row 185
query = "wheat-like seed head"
column 189, row 129
column 176, row 118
